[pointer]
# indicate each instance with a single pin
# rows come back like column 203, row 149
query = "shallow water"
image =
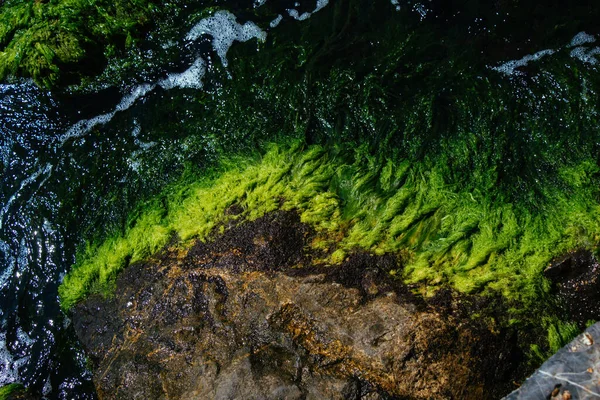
column 75, row 164
column 58, row 169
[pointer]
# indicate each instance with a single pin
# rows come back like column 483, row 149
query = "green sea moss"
column 559, row 334
column 9, row 391
column 476, row 178
column 43, row 39
column 469, row 239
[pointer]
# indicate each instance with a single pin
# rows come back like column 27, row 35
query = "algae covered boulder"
column 252, row 314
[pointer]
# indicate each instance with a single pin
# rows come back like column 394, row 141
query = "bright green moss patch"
column 477, row 179
column 560, row 334
column 467, row 238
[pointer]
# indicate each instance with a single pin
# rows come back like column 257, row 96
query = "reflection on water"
column 34, row 336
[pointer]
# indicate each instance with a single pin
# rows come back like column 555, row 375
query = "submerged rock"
column 572, row 373
column 576, row 281
column 252, row 315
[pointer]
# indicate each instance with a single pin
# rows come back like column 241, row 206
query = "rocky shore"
column 253, row 314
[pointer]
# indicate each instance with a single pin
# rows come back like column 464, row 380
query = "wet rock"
column 572, row 373
column 15, row 391
column 576, row 280
column 251, row 316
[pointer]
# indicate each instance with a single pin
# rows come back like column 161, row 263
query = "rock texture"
column 252, row 315
column 576, row 283
column 572, row 373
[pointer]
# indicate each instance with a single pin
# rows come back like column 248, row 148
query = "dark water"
column 75, row 164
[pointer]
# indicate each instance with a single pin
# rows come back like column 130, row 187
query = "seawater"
column 50, row 160
column 74, row 165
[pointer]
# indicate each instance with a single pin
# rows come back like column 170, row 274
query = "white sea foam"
column 583, row 54
column 47, row 389
column 168, row 44
column 190, row 78
column 23, row 338
column 586, row 55
column 276, row 21
column 130, row 99
column 306, row 15
column 9, row 267
column 9, row 366
column 297, row 16
column 421, row 10
column 509, row 67
column 224, row 29
column 81, row 128
column 320, row 4
column 581, row 38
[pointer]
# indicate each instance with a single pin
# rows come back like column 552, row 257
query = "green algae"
column 475, row 179
column 558, row 334
column 357, row 201
column 45, row 40
column 7, row 391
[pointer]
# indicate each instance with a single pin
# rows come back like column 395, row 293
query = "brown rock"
column 248, row 316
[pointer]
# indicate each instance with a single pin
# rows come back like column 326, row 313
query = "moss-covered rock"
column 16, row 391
column 404, row 142
column 254, row 314
column 464, row 239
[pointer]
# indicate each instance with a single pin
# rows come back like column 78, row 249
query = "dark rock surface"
column 252, row 315
column 572, row 373
column 576, row 282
